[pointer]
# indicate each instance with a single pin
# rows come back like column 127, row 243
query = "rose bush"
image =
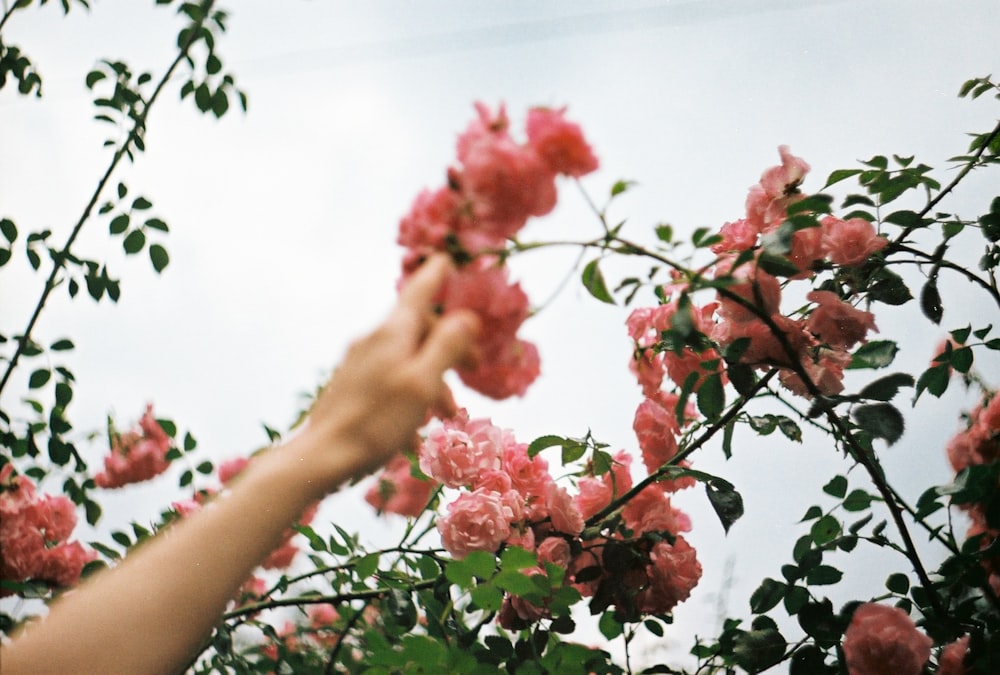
column 510, row 544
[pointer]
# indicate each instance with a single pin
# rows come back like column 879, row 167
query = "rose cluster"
column 496, row 185
column 747, row 312
column 883, row 639
column 136, row 455
column 34, row 530
column 508, row 497
column 978, row 444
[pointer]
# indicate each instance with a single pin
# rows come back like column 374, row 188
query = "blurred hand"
column 388, row 381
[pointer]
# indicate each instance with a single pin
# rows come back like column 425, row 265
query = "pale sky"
column 283, row 221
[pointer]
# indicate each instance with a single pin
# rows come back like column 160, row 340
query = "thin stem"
column 969, row 166
column 59, row 259
column 988, row 287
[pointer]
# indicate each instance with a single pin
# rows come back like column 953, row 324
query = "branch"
column 59, row 259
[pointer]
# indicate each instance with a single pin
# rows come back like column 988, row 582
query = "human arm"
column 150, row 613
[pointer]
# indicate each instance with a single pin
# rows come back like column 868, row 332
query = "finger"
column 448, row 344
column 423, row 285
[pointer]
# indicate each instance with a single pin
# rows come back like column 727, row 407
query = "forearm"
column 150, row 614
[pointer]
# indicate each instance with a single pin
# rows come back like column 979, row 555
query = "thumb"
column 450, row 343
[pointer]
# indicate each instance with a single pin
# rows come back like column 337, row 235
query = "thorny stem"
column 990, row 288
column 59, row 259
column 870, row 463
column 897, row 243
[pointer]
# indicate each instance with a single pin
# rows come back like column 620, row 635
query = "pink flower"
column 398, row 491
column 826, row 372
column 505, row 182
column 656, row 427
column 506, row 370
column 559, row 142
column 784, row 180
column 457, row 453
column 554, row 550
column 528, row 475
column 807, row 248
column 651, row 511
column 838, row 323
column 737, row 236
column 594, row 494
column 33, row 534
column 882, row 639
column 952, row 657
column 476, row 521
column 758, row 288
column 673, row 572
column 850, row 242
column 136, row 455
column 767, row 202
column 563, row 512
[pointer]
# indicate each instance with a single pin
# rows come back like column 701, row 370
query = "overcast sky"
column 283, row 222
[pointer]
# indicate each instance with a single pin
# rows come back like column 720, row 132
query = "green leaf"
column 543, row 442
column 517, row 558
column 777, row 265
column 156, row 224
column 885, row 388
column 609, row 626
column 159, row 257
column 837, row 487
column 823, row 575
column 858, row 500
column 825, row 530
column 621, row 186
column 593, row 281
column 898, row 583
column 711, row 397
column 93, row 77
column 141, row 204
column 664, row 232
column 62, row 345
column 758, row 650
column 727, row 502
column 874, row 354
column 39, row 378
column 9, row 229
column 890, row 289
column 134, row 242
column 119, row 223
column 930, row 302
column 839, row 175
column 881, row 420
column 487, row 597
column 767, row 596
column 789, row 428
column 935, row 380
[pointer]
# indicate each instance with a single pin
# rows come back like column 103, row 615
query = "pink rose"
column 503, row 370
column 952, row 657
column 651, row 511
column 737, row 236
column 673, row 572
column 882, row 639
column 593, row 494
column 850, row 242
column 838, row 323
column 398, row 491
column 784, row 180
column 461, row 450
column 565, row 516
column 559, row 142
column 476, row 521
column 136, row 455
column 554, row 550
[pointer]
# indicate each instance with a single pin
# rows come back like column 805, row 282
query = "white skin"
column 152, row 612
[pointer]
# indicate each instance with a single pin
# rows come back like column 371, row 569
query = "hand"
column 388, row 381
